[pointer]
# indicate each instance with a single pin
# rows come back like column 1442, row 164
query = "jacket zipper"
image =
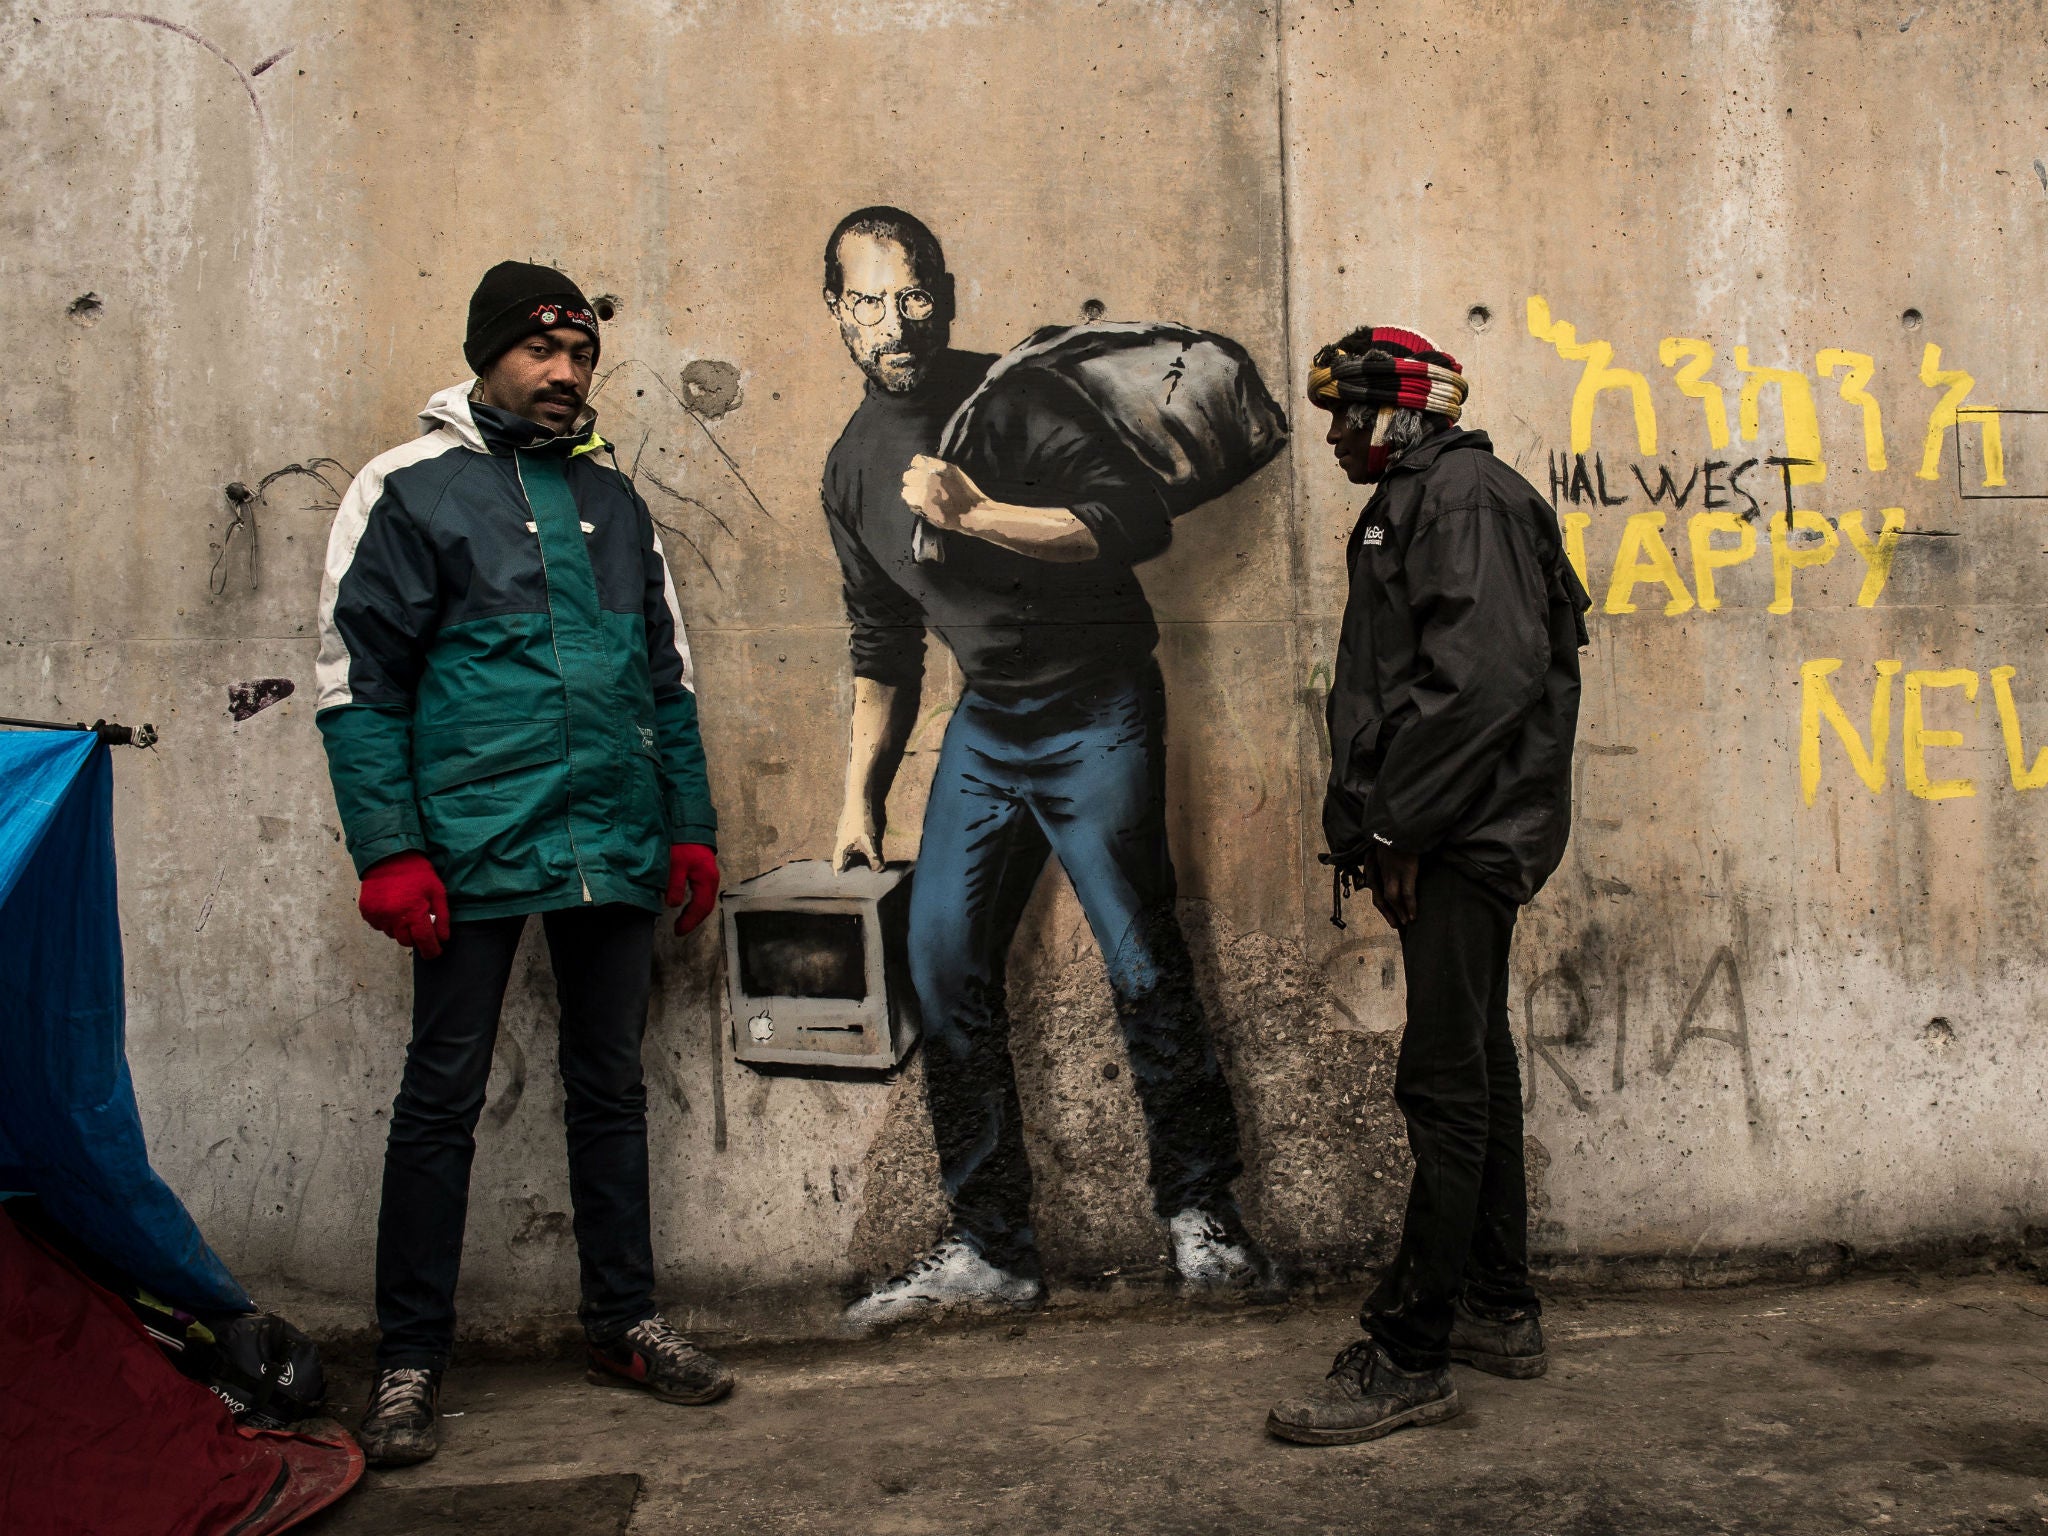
column 568, row 749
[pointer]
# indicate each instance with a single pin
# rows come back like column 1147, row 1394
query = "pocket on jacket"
column 637, row 842
column 493, row 803
column 1355, row 749
column 1344, row 798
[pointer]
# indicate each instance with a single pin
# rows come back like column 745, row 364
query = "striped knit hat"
column 1417, row 375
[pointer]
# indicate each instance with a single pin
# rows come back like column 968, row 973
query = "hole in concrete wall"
column 1479, row 317
column 1939, row 1033
column 1911, row 319
column 606, row 305
column 86, row 309
column 1093, row 310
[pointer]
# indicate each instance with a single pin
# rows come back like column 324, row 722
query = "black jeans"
column 1466, row 1232
column 603, row 961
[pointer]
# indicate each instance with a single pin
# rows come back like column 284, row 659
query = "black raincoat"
column 1456, row 694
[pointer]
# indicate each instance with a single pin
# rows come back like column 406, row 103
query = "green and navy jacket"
column 504, row 680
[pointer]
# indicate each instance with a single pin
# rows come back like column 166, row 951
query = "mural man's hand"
column 1393, row 889
column 940, row 492
column 859, row 836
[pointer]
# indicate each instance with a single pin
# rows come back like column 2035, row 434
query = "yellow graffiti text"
column 1817, row 702
column 1598, row 377
column 1795, row 404
column 1787, row 557
column 1691, row 361
column 1921, row 693
column 1574, row 525
column 1918, row 738
column 2023, row 777
column 1877, row 553
column 1720, row 541
column 1858, row 366
column 1950, row 411
column 1708, row 558
column 1643, row 557
column 1691, row 381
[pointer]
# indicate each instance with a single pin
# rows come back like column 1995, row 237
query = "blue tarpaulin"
column 69, row 1131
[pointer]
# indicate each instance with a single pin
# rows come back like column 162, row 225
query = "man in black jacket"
column 1451, row 722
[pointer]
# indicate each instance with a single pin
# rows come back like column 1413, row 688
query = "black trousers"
column 603, row 961
column 1466, row 1232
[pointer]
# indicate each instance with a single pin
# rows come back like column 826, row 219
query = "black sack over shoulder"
column 1189, row 404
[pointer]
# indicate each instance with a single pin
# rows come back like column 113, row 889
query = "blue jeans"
column 1080, row 774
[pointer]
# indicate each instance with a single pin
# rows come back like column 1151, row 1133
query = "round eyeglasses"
column 869, row 308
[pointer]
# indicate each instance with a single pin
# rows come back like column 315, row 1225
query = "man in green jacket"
column 511, row 728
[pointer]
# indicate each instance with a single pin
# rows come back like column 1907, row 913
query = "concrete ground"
column 1895, row 1404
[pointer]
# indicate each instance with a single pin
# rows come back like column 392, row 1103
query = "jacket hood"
column 450, row 408
column 485, row 429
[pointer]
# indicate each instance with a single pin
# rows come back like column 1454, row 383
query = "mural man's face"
column 890, row 315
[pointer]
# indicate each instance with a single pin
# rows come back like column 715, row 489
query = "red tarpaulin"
column 103, row 1437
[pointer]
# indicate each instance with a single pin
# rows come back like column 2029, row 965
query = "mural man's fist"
column 940, row 492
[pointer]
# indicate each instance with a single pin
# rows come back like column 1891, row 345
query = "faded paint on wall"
column 1773, row 999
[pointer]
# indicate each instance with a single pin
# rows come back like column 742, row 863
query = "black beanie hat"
column 516, row 300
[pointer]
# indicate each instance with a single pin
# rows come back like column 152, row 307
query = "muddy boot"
column 1365, row 1396
column 653, row 1357
column 402, row 1425
column 1512, row 1347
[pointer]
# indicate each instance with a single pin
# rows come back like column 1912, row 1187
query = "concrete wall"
column 1759, row 1015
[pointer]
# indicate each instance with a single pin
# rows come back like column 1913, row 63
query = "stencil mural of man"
column 1020, row 556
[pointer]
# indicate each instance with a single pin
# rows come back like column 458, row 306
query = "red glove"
column 402, row 896
column 692, row 878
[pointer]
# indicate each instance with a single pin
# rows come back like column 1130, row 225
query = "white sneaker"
column 952, row 1276
column 1213, row 1252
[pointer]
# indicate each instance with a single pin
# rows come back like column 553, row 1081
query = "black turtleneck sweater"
column 1020, row 628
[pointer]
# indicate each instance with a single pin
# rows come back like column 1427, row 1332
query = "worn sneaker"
column 402, row 1425
column 951, row 1277
column 1513, row 1348
column 1365, row 1396
column 1212, row 1252
column 653, row 1357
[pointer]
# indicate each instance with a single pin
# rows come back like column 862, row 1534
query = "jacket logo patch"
column 1374, row 536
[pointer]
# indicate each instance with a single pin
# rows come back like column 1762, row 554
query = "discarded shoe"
column 1513, row 1348
column 1365, row 1396
column 952, row 1277
column 654, row 1358
column 1212, row 1252
column 402, row 1425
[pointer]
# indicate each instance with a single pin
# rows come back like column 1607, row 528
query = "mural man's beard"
column 896, row 365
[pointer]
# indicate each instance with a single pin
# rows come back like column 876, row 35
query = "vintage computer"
column 817, row 967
